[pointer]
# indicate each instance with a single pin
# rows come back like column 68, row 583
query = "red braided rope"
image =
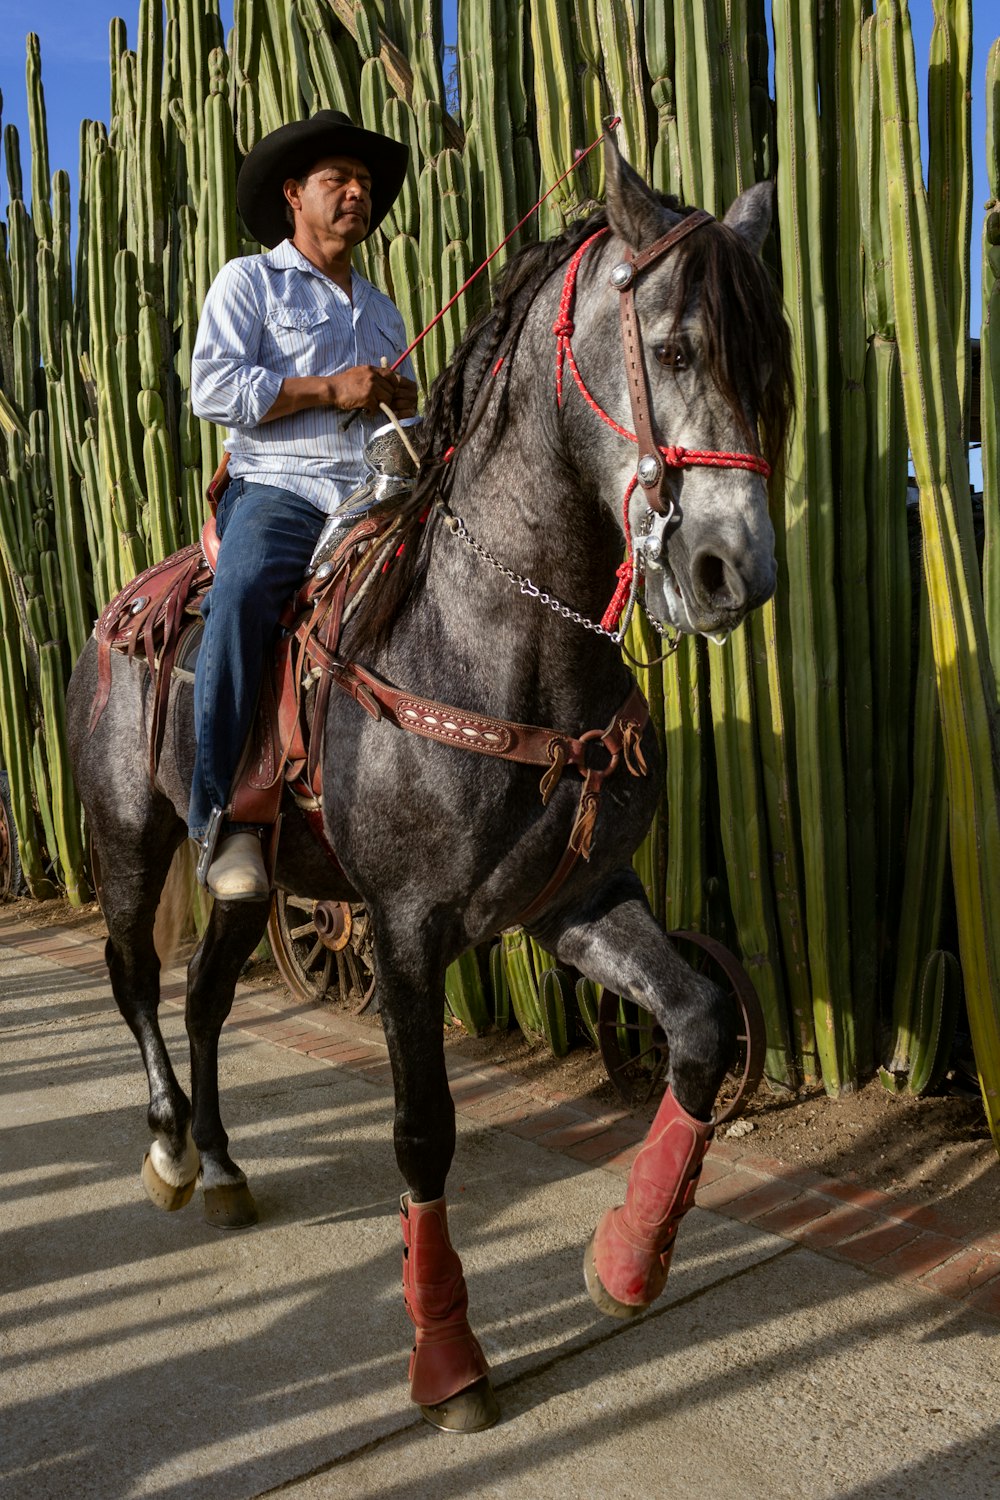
column 625, row 571
column 675, row 457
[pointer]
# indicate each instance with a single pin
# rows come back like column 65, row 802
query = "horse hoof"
column 165, row 1195
column 230, row 1206
column 599, row 1295
column 471, row 1410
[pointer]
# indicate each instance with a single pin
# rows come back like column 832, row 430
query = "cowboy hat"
column 291, row 150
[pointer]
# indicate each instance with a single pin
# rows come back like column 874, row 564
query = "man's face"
column 334, row 199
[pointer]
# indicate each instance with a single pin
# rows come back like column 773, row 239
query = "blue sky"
column 74, row 37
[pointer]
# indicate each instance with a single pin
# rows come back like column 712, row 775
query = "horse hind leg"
column 133, row 871
column 615, row 941
column 233, row 932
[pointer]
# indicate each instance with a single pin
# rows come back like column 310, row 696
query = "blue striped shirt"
column 273, row 315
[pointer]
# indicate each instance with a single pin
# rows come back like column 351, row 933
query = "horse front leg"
column 614, row 940
column 233, row 932
column 448, row 1372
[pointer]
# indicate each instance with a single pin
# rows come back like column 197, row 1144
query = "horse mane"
column 752, row 364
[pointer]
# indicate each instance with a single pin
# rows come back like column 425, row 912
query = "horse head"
column 716, row 354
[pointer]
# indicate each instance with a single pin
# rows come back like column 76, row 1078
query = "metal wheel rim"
column 624, row 1059
column 310, row 968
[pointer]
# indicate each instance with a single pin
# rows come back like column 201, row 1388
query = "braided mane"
column 747, row 353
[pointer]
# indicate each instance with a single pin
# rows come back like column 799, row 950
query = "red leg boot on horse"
column 627, row 1260
column 449, row 1376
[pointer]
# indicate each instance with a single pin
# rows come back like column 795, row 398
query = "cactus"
column 499, row 988
column 556, row 995
column 555, row 114
column 990, row 360
column 934, row 1021
column 949, row 175
column 889, row 586
column 658, row 36
column 588, row 999
column 41, row 203
column 697, row 42
column 16, row 738
column 682, row 901
column 965, row 682
column 524, row 1000
column 810, row 550
column 463, row 988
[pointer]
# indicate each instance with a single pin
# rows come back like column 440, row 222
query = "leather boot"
column 237, row 872
column 446, row 1357
column 632, row 1246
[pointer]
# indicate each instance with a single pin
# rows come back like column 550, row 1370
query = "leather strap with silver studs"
column 650, row 469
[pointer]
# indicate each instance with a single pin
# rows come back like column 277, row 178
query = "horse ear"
column 750, row 215
column 634, row 212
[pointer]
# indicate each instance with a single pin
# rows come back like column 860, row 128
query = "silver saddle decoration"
column 391, row 473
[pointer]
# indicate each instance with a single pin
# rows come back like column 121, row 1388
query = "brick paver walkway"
column 882, row 1233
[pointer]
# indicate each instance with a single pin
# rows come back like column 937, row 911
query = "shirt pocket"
column 383, row 336
column 298, row 339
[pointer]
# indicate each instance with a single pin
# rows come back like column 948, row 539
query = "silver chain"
column 458, row 528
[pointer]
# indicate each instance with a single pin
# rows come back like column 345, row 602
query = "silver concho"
column 621, row 275
column 649, row 469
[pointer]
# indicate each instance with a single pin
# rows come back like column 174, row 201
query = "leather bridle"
column 654, row 457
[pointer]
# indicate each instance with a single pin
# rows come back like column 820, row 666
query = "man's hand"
column 404, row 397
column 361, row 388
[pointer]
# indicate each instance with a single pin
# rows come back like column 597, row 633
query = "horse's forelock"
column 746, row 341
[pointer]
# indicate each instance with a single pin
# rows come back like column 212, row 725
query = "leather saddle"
column 157, row 618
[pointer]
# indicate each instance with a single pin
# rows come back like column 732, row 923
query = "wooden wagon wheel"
column 634, row 1047
column 323, row 949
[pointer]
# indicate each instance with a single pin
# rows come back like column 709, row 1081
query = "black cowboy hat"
column 291, row 150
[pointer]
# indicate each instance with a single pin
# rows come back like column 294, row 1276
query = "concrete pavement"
column 144, row 1354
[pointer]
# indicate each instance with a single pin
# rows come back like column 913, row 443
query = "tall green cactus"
column 965, row 681
column 990, row 359
column 840, row 78
column 810, row 533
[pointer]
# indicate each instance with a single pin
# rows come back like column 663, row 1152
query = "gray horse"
column 447, row 847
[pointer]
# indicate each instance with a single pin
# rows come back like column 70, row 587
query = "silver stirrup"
column 206, row 849
column 391, row 472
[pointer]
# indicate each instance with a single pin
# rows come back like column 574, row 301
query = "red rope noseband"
column 674, row 457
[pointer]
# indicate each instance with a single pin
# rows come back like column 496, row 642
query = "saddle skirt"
column 157, row 617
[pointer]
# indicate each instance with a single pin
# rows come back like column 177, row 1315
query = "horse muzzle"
column 708, row 593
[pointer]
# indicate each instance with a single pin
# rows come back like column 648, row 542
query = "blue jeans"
column 267, row 538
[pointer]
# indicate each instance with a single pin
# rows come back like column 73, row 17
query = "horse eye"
column 671, row 356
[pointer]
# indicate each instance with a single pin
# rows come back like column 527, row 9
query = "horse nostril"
column 716, row 584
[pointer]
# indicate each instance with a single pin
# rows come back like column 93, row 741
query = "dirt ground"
column 935, row 1151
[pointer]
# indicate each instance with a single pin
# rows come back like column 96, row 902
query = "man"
column 289, row 341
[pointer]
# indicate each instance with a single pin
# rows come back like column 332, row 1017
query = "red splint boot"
column 446, row 1357
column 627, row 1260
